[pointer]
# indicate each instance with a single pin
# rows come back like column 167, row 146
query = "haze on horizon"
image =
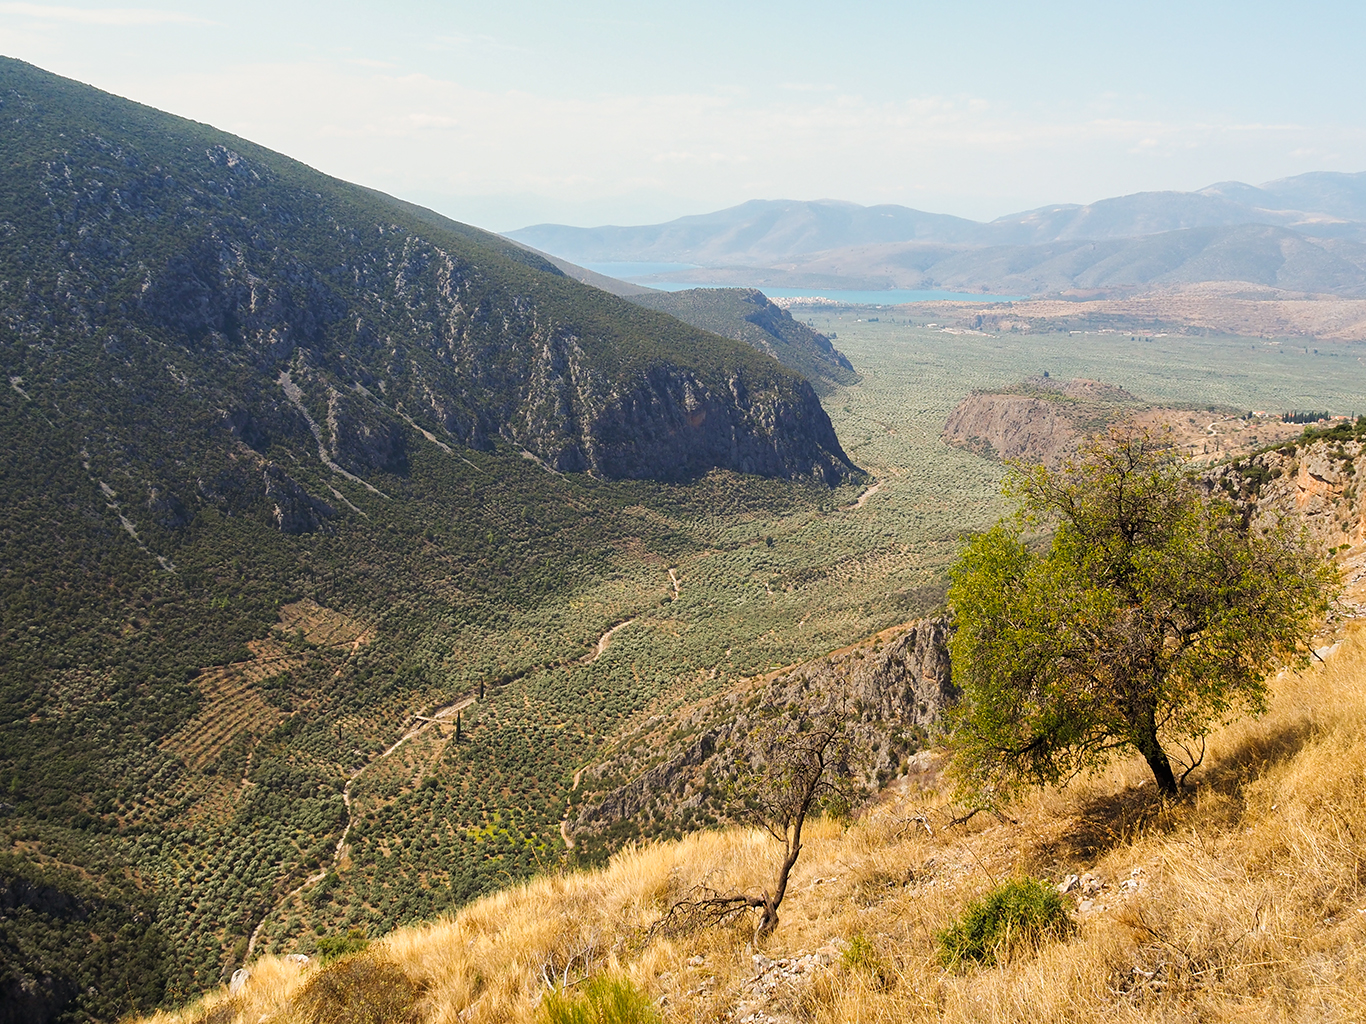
column 629, row 113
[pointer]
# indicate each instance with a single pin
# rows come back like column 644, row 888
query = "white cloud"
column 102, row 15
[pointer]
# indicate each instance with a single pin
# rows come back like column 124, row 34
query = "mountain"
column 1253, row 254
column 1132, row 216
column 1319, row 196
column 288, row 467
column 753, row 233
column 747, row 315
column 1306, row 233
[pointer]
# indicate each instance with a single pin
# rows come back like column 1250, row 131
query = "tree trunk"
column 768, row 920
column 1145, row 739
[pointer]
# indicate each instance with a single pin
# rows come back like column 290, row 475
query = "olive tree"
column 1154, row 612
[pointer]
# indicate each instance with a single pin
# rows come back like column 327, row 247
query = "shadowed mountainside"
column 236, row 388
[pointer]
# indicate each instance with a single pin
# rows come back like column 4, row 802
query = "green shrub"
column 333, row 947
column 1021, row 912
column 604, row 1000
column 861, row 956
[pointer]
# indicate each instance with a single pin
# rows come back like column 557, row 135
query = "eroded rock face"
column 296, row 511
column 1041, row 420
column 897, row 687
column 1318, row 483
column 673, row 420
column 1012, row 427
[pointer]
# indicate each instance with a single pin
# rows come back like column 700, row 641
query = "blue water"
column 890, row 297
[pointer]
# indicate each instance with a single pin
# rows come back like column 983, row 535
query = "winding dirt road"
column 606, row 639
column 863, row 498
column 420, row 724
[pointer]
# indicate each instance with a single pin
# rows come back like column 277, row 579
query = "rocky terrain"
column 746, row 314
column 1314, row 477
column 677, row 766
column 1043, row 420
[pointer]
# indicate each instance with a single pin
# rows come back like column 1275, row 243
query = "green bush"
column 333, row 947
column 1021, row 912
column 604, row 1000
column 861, row 956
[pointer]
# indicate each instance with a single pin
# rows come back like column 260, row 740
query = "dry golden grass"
column 1243, row 902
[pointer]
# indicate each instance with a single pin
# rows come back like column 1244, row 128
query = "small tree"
column 1154, row 613
column 795, row 767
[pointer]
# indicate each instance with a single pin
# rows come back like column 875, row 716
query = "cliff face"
column 131, row 236
column 1318, row 482
column 1041, row 420
column 898, row 684
column 747, row 315
column 1012, row 427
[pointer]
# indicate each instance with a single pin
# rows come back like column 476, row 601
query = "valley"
column 341, row 544
column 835, row 572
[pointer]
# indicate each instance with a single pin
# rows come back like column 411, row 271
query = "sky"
column 594, row 112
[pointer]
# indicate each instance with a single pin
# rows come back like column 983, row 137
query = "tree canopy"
column 1153, row 613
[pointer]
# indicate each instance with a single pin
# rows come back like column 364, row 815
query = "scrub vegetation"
column 1095, row 903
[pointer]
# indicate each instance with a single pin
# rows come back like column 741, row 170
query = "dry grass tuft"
column 1246, row 900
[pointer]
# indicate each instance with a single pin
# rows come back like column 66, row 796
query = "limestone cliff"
column 897, row 684
column 1316, row 480
column 1041, row 420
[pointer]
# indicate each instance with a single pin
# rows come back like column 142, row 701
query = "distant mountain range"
column 1306, row 233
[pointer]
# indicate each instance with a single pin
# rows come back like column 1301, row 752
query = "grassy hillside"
column 1242, row 900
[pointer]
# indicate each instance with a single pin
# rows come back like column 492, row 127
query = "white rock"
column 1067, row 884
column 239, row 978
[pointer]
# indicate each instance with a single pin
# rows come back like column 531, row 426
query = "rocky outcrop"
column 1317, row 482
column 1039, row 421
column 296, row 511
column 897, row 686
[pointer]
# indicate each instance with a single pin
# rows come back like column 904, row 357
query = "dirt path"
column 606, row 639
column 441, row 716
column 673, row 578
column 863, row 498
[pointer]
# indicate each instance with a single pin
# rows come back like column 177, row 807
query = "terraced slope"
column 285, row 464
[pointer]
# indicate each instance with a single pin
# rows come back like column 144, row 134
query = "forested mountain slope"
column 286, row 463
column 747, row 315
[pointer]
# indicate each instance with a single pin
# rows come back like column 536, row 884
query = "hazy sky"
column 507, row 113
